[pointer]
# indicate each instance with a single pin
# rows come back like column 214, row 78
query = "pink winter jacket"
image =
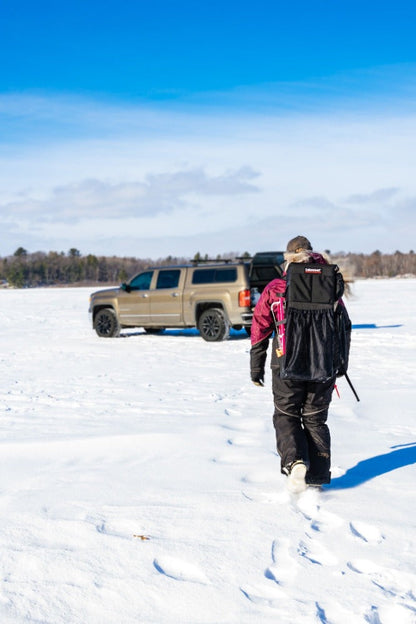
column 263, row 325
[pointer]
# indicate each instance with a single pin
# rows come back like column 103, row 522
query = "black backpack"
column 317, row 325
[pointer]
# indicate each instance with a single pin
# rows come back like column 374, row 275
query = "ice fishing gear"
column 312, row 326
column 278, row 311
column 351, row 386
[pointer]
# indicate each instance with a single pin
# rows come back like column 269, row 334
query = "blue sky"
column 166, row 128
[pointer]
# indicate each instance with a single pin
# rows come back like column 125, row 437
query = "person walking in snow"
column 300, row 407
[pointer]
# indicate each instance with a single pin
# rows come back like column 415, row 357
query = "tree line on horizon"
column 24, row 269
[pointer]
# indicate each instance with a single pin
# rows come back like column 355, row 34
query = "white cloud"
column 127, row 179
column 381, row 195
column 159, row 194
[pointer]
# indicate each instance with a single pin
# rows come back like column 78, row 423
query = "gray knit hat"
column 299, row 243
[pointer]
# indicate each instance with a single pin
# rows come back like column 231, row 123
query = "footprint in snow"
column 242, row 440
column 366, row 532
column 232, row 412
column 309, row 504
column 180, row 570
column 392, row 583
column 268, row 596
column 283, row 567
column 316, row 553
column 391, row 613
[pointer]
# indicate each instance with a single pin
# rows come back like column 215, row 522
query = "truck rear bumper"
column 246, row 318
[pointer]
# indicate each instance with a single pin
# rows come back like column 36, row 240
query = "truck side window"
column 226, row 275
column 168, row 278
column 212, row 276
column 141, row 281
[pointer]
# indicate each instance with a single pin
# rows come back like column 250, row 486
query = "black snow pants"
column 300, row 415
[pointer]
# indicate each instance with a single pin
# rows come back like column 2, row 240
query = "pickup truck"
column 213, row 297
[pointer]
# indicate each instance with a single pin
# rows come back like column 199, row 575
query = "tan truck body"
column 212, row 297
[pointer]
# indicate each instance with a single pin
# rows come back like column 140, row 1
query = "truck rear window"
column 213, row 276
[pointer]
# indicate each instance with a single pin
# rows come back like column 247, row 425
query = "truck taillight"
column 244, row 298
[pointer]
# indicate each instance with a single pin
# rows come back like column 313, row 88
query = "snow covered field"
column 139, row 481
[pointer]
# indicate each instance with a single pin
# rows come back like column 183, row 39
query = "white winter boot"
column 296, row 478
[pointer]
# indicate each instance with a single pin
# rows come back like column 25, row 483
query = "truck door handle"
column 175, row 295
column 145, row 295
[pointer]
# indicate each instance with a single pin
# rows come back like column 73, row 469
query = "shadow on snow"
column 189, row 332
column 400, row 456
column 373, row 326
column 192, row 332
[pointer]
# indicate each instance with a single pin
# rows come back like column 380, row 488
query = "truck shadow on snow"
column 367, row 469
column 189, row 332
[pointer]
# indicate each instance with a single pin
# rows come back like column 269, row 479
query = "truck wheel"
column 106, row 323
column 213, row 325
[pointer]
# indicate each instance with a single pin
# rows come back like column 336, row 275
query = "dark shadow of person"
column 400, row 456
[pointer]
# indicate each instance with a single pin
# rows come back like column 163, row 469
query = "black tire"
column 154, row 330
column 106, row 323
column 213, row 326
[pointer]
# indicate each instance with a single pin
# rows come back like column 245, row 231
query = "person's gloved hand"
column 258, row 380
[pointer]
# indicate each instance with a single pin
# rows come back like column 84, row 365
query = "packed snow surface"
column 139, row 480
